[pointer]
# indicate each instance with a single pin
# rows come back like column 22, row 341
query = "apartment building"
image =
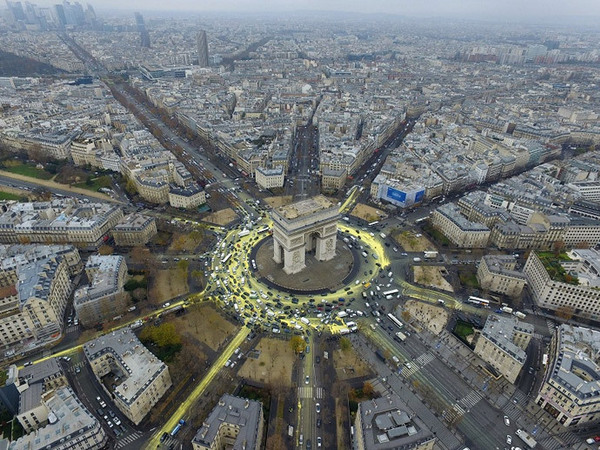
column 35, row 384
column 497, row 273
column 386, row 423
column 570, row 390
column 188, row 197
column 143, row 379
column 104, row 298
column 134, row 230
column 66, row 424
column 459, row 230
column 332, row 180
column 58, row 222
column 502, row 344
column 268, row 178
column 234, row 422
column 574, row 288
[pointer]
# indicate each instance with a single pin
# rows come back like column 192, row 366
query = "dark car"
column 318, row 359
column 319, row 423
column 308, row 444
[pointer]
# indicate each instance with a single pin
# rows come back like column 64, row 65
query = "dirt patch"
column 273, row 365
column 168, row 284
column 275, row 202
column 222, row 217
column 348, row 364
column 55, row 185
column 203, row 323
column 432, row 276
column 413, row 242
column 367, row 213
column 185, row 242
column 432, row 317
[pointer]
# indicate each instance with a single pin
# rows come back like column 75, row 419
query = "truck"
column 178, row 427
column 430, row 254
column 290, row 431
column 344, row 331
column 520, row 315
column 507, row 310
column 525, row 437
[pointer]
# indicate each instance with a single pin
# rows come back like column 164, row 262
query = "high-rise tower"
column 202, row 49
column 141, row 27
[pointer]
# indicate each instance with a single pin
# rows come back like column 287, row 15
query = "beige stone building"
column 235, row 423
column 143, row 379
column 188, row 197
column 458, row 229
column 270, row 178
column 502, row 344
column 104, row 298
column 66, row 424
column 386, row 423
column 570, row 390
column 305, row 226
column 134, row 230
column 497, row 273
column 62, row 221
column 333, row 180
column 582, row 299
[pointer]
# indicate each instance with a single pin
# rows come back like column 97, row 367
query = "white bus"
column 479, row 301
column 395, row 320
column 263, row 230
column 226, row 258
column 390, row 292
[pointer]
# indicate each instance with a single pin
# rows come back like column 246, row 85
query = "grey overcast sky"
column 504, row 10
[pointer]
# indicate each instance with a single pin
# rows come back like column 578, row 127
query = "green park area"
column 463, row 330
column 28, row 171
column 9, row 196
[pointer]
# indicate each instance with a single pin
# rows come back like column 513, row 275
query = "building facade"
column 143, row 379
column 235, row 423
column 134, row 230
column 497, row 273
column 269, row 178
column 502, row 344
column 570, row 390
column 460, row 231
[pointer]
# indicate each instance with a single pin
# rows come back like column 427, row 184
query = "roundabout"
column 247, row 283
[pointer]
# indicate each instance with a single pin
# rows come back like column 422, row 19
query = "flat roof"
column 304, row 207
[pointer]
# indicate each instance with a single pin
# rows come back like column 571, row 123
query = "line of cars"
column 111, row 419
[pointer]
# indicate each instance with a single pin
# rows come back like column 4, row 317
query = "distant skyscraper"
column 141, row 27
column 202, row 49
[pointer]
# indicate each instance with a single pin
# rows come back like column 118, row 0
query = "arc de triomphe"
column 305, row 226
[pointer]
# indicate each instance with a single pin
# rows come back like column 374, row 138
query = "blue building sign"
column 396, row 195
column 419, row 196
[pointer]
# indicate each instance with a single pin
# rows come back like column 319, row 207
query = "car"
column 103, row 404
column 319, row 441
column 98, row 399
column 506, row 421
column 319, row 422
column 111, row 413
column 508, row 439
column 117, row 421
column 597, row 438
column 308, row 444
column 77, row 370
column 318, row 408
column 318, row 359
column 306, row 380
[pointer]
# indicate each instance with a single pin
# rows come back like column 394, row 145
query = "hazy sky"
column 489, row 9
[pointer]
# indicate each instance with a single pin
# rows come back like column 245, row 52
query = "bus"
column 400, row 336
column 263, row 230
column 395, row 320
column 373, row 223
column 390, row 292
column 422, row 219
column 226, row 258
column 243, row 233
column 177, row 427
column 479, row 301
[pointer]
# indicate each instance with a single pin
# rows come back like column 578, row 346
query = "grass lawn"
column 9, row 196
column 463, row 330
column 468, row 279
column 95, row 183
column 29, row 171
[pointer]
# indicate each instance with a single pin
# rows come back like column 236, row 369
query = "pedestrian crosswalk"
column 471, row 399
column 425, row 359
column 305, row 392
column 128, row 439
column 560, row 441
column 75, row 366
column 409, row 371
column 71, row 329
column 310, row 392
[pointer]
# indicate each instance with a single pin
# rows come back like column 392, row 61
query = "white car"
column 508, row 439
column 506, row 421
